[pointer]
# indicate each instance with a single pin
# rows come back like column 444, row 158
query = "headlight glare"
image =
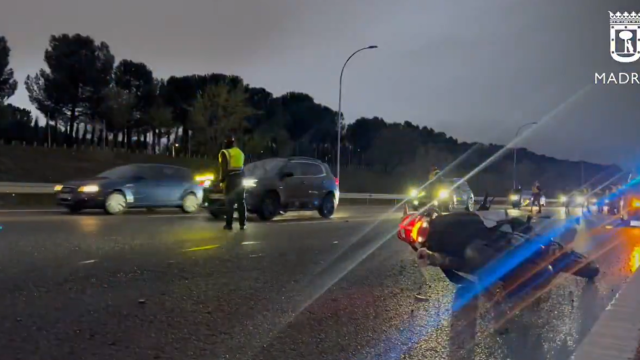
column 443, row 194
column 57, row 188
column 249, row 182
column 89, row 189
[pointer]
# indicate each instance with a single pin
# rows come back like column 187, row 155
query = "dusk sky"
column 476, row 70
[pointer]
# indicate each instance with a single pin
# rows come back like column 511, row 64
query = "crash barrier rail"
column 46, row 188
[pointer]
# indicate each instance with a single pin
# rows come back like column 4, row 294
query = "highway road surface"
column 170, row 286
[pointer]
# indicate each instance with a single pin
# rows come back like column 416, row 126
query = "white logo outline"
column 624, row 24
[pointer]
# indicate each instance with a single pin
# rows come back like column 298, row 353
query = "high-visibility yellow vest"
column 235, row 158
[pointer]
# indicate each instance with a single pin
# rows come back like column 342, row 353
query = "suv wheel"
column 470, row 204
column 269, row 207
column 328, row 206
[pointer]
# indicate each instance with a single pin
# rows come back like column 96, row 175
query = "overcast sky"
column 476, row 70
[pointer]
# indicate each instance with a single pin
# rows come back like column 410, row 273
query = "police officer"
column 231, row 174
column 587, row 201
column 536, row 192
column 434, row 172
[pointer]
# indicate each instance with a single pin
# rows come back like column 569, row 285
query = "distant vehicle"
column 133, row 186
column 445, row 194
column 525, row 199
column 277, row 185
column 630, row 213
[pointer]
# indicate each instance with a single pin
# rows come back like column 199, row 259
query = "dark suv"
column 277, row 185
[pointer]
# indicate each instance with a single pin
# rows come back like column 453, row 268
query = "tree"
column 160, row 120
column 393, row 147
column 115, row 111
column 8, row 84
column 136, row 79
column 219, row 111
column 79, row 70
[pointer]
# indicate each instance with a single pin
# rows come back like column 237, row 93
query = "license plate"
column 64, row 196
column 635, row 223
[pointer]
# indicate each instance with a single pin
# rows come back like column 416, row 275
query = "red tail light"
column 413, row 229
column 337, row 182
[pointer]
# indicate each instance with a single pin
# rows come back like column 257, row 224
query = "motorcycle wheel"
column 588, row 271
column 577, row 264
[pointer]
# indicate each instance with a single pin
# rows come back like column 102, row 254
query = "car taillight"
column 337, row 182
column 205, row 183
column 413, row 229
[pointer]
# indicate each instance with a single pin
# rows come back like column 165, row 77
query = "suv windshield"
column 264, row 168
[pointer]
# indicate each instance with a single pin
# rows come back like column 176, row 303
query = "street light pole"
column 340, row 105
column 515, row 150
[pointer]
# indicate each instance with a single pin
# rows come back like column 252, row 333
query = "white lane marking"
column 32, row 210
column 87, row 262
column 250, row 242
column 336, row 221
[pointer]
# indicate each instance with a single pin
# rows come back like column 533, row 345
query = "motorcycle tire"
column 588, row 271
column 576, row 264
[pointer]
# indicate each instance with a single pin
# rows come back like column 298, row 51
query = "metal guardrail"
column 46, row 188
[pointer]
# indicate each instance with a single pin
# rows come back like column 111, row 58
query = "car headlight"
column 443, row 194
column 204, row 177
column 563, row 198
column 249, row 182
column 57, row 188
column 415, row 202
column 514, row 197
column 413, row 193
column 89, row 188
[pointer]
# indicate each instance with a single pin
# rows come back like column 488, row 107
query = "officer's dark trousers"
column 234, row 196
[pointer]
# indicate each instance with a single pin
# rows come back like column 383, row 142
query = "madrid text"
column 617, row 79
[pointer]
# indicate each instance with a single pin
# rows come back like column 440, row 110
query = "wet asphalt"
column 165, row 285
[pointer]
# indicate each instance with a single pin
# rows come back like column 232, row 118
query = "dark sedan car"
column 277, row 185
column 133, row 186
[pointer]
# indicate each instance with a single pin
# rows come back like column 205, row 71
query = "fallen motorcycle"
column 540, row 261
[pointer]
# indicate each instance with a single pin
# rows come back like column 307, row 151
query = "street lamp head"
column 372, row 47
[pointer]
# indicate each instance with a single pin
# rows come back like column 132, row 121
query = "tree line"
column 87, row 98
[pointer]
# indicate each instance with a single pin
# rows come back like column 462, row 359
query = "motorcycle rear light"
column 413, row 229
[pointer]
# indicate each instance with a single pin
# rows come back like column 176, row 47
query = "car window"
column 262, row 168
column 170, row 173
column 120, row 172
column 293, row 167
column 310, row 169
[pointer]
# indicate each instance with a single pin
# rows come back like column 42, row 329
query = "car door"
column 170, row 184
column 466, row 195
column 292, row 186
column 140, row 184
column 311, row 188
